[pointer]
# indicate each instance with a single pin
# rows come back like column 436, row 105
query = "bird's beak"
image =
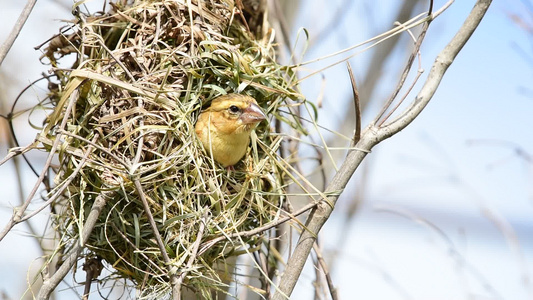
column 253, row 114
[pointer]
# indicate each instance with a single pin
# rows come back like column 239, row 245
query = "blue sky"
column 454, row 166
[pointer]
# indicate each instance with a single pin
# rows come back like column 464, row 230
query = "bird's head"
column 234, row 113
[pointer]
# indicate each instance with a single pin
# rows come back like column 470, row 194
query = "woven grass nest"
column 125, row 112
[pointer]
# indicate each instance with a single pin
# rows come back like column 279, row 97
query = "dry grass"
column 143, row 72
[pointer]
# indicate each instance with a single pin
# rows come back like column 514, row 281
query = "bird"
column 224, row 128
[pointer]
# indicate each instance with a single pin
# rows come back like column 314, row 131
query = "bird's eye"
column 234, row 109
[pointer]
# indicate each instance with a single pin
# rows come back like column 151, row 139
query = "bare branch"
column 63, row 185
column 19, row 211
column 357, row 104
column 258, row 230
column 381, row 53
column 173, row 278
column 406, row 70
column 6, row 46
column 92, row 267
column 51, row 283
column 327, row 274
column 17, row 151
column 441, row 64
column 371, row 137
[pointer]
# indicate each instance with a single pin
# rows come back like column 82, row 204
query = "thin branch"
column 327, row 274
column 408, row 92
column 63, row 185
column 266, row 279
column 380, row 54
column 6, row 46
column 51, row 283
column 371, row 137
column 357, row 104
column 192, row 257
column 92, row 267
column 17, row 151
column 20, row 189
column 11, row 114
column 211, row 243
column 19, row 211
column 406, row 70
column 318, row 282
column 155, row 230
column 439, row 68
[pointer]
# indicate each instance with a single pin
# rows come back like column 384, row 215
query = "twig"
column 441, row 64
column 357, row 104
column 9, row 118
column 155, row 230
column 405, row 72
column 20, row 189
column 17, row 151
column 51, row 283
column 63, row 184
column 371, row 137
column 317, row 284
column 92, row 267
column 266, row 281
column 6, row 46
column 381, row 54
column 418, row 74
column 327, row 274
column 19, row 211
column 192, row 257
column 211, row 243
column 137, row 250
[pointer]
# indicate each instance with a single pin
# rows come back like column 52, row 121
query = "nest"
column 125, row 113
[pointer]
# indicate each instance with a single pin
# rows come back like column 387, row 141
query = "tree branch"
column 440, row 66
column 51, row 283
column 321, row 262
column 19, row 211
column 371, row 137
column 16, row 29
column 171, row 270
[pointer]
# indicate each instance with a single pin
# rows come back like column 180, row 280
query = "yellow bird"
column 224, row 128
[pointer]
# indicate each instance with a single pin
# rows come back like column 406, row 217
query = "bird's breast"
column 226, row 149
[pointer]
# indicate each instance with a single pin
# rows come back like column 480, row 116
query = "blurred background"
column 442, row 210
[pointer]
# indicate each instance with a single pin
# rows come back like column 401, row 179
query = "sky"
column 452, row 179
column 454, row 167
